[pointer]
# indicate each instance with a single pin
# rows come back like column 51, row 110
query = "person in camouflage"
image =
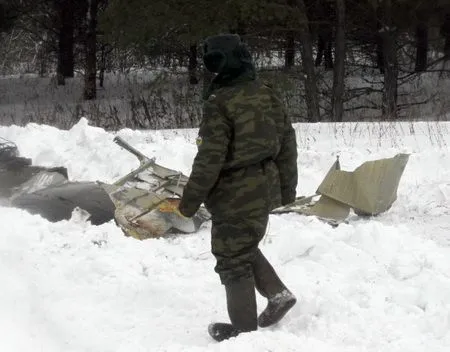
column 246, row 166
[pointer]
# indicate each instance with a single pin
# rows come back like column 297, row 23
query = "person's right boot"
column 280, row 299
column 241, row 304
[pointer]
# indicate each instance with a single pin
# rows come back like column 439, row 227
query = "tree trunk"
column 325, row 34
column 68, row 29
column 90, row 74
column 312, row 96
column 66, row 62
column 320, row 49
column 389, row 36
column 289, row 54
column 193, row 64
column 379, row 40
column 337, row 98
column 329, row 54
column 445, row 32
column 325, row 48
column 447, row 48
column 102, row 64
column 60, row 66
column 42, row 57
column 421, row 46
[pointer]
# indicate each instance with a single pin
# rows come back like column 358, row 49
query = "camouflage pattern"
column 246, row 165
column 234, row 244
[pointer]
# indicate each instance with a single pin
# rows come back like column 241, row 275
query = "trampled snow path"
column 380, row 284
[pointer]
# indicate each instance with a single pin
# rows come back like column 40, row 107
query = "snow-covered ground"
column 380, row 284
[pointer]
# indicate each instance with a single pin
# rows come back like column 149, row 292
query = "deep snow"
column 380, row 284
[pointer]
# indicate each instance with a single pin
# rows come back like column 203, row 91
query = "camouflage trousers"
column 234, row 243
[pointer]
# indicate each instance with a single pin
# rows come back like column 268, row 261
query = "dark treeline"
column 317, row 45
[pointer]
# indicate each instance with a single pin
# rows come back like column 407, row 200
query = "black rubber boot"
column 269, row 285
column 241, row 304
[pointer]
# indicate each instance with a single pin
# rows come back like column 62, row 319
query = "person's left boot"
column 279, row 298
column 277, row 307
column 241, row 304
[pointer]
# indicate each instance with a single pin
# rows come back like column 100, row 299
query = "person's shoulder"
column 229, row 94
column 266, row 83
column 221, row 95
column 267, row 86
column 217, row 100
column 212, row 98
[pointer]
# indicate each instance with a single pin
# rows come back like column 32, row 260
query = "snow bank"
column 380, row 284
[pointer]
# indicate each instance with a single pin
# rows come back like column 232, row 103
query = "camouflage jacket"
column 247, row 153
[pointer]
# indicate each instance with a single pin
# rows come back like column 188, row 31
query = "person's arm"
column 213, row 140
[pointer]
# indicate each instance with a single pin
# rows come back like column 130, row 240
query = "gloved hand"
column 174, row 207
column 186, row 210
column 287, row 196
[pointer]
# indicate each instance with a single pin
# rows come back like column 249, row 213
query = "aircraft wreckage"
column 144, row 203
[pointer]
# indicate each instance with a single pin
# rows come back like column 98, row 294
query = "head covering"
column 225, row 52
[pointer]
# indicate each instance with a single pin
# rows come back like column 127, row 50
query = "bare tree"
column 445, row 32
column 325, row 16
column 66, row 21
column 312, row 96
column 90, row 73
column 390, row 60
column 421, row 41
column 193, row 64
column 337, row 99
column 289, row 54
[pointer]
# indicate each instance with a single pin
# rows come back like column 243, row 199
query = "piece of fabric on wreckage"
column 243, row 169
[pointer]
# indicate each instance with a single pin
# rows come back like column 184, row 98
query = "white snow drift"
column 379, row 284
